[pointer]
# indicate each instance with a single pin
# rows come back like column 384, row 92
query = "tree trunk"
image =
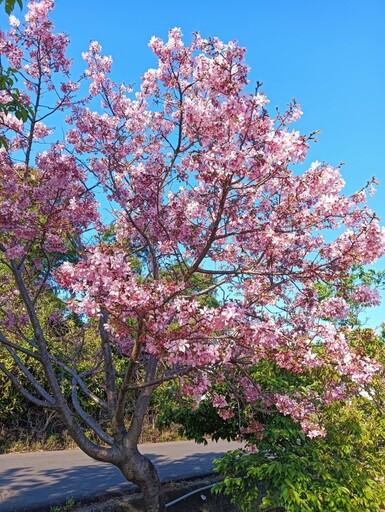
column 139, row 470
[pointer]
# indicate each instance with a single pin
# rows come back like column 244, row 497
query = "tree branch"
column 108, row 366
column 29, row 376
column 142, row 403
column 25, row 351
column 24, row 392
column 90, row 422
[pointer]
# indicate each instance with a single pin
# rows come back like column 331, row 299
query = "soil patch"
column 202, row 501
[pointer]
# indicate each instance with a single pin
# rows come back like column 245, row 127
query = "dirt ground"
column 203, row 501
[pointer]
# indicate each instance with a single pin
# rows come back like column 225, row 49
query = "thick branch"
column 212, row 236
column 118, row 419
column 81, row 383
column 108, row 366
column 142, row 403
column 41, row 342
column 90, row 422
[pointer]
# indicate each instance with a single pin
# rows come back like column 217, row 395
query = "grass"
column 66, row 507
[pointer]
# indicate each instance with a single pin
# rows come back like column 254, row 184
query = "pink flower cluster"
column 302, row 412
column 364, row 294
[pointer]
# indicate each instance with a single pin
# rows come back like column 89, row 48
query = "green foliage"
column 342, row 472
column 198, row 423
column 288, row 471
column 14, row 105
column 308, row 476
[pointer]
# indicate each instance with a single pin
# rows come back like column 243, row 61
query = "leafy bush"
column 341, row 472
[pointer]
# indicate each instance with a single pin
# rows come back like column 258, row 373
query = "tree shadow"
column 29, row 489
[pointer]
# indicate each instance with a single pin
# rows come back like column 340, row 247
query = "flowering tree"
column 204, row 202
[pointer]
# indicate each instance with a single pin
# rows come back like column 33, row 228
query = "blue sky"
column 329, row 55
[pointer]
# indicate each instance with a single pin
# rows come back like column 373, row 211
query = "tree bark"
column 139, row 470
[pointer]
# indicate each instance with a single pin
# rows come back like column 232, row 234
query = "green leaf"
column 22, row 114
column 10, row 5
column 3, row 143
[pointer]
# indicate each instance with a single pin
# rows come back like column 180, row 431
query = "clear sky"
column 328, row 55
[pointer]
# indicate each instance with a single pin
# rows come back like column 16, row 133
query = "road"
column 34, row 481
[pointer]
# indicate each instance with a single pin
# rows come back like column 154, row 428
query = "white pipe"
column 190, row 494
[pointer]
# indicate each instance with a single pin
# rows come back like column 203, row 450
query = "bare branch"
column 108, row 365
column 19, row 348
column 142, row 402
column 213, row 231
column 24, row 392
column 171, row 376
column 81, row 383
column 118, row 419
column 29, row 376
column 90, row 422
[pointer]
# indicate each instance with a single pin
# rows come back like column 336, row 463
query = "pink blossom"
column 15, row 251
column 366, row 295
column 225, row 414
column 335, row 307
column 13, row 21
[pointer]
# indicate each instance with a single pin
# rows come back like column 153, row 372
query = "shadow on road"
column 31, row 488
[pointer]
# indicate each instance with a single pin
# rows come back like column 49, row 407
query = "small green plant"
column 66, row 507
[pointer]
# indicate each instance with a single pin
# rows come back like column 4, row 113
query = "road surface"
column 34, row 481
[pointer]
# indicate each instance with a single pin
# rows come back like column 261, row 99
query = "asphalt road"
column 34, row 481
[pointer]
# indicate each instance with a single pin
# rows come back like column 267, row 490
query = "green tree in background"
column 341, row 472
